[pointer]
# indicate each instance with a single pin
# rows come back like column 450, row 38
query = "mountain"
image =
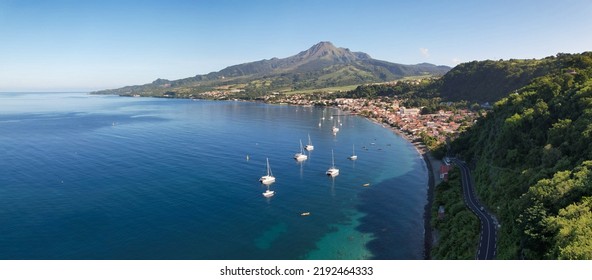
column 321, row 66
column 532, row 162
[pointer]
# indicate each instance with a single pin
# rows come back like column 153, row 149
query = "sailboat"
column 337, row 125
column 300, row 156
column 333, row 171
column 267, row 179
column 353, row 156
column 309, row 147
column 335, row 129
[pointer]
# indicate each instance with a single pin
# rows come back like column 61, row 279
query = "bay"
column 108, row 177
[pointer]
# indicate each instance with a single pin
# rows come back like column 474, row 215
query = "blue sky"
column 88, row 45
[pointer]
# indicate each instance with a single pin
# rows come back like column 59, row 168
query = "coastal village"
column 409, row 122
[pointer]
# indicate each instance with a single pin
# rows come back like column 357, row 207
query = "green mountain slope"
column 490, row 81
column 532, row 159
column 323, row 65
column 483, row 81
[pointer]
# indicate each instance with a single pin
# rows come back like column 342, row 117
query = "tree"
column 574, row 231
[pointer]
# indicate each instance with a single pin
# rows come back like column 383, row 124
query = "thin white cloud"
column 456, row 61
column 424, row 52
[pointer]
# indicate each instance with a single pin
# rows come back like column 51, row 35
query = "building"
column 409, row 111
column 444, row 172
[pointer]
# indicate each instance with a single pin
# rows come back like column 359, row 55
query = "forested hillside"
column 490, row 81
column 532, row 160
column 476, row 81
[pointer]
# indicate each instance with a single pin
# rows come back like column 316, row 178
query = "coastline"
column 427, row 214
column 433, row 167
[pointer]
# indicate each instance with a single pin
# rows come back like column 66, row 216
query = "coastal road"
column 487, row 237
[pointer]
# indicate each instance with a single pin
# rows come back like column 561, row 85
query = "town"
column 426, row 131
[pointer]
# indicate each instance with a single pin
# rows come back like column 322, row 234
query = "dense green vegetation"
column 490, row 81
column 474, row 82
column 458, row 230
column 532, row 159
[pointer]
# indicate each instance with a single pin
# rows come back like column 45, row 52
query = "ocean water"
column 108, row 177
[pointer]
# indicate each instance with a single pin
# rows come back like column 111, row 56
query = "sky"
column 65, row 45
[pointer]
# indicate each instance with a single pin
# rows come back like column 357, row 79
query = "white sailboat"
column 353, row 156
column 335, row 129
column 300, row 156
column 332, row 171
column 309, row 147
column 267, row 179
column 337, row 125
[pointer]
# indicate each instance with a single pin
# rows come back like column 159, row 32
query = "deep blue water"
column 107, row 177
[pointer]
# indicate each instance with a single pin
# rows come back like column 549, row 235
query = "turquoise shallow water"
column 107, row 177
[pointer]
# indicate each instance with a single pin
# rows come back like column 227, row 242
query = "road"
column 488, row 235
